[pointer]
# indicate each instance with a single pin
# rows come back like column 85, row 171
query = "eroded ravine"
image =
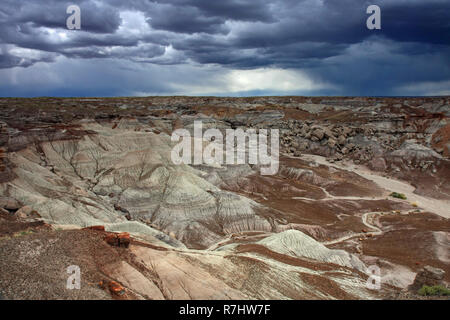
column 437, row 206
column 295, row 235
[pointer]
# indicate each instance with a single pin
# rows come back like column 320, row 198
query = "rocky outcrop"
column 98, row 173
column 427, row 276
column 118, row 240
column 119, row 175
column 9, row 203
column 440, row 140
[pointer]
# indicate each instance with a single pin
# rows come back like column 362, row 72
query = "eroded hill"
column 222, row 231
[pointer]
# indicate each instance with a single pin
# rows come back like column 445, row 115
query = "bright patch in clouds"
column 270, row 79
column 133, row 23
column 257, row 80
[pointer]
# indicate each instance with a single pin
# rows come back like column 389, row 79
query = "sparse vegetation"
column 398, row 195
column 23, row 233
column 434, row 291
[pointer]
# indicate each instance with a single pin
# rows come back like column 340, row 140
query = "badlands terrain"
column 90, row 182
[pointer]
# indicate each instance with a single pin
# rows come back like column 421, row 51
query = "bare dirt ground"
column 202, row 232
column 437, row 206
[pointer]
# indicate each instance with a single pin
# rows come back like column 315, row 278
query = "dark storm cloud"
column 238, row 10
column 185, row 19
column 26, row 24
column 325, row 38
column 379, row 67
column 10, row 60
column 418, row 21
column 256, row 10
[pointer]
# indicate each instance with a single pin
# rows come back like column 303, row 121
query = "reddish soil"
column 409, row 241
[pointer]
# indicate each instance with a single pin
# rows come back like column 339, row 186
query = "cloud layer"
column 235, row 47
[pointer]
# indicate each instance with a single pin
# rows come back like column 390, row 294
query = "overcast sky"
column 224, row 47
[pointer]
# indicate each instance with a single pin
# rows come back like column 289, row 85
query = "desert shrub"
column 398, row 195
column 434, row 291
